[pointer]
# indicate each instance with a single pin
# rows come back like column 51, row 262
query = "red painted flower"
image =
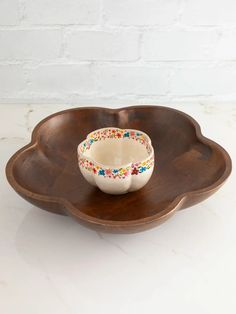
column 94, row 170
column 132, row 133
column 135, row 171
column 108, row 172
column 118, row 135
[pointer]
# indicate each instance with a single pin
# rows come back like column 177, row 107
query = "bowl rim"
column 125, row 165
column 73, row 211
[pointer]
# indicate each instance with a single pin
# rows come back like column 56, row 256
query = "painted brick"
column 9, row 12
column 178, row 45
column 62, row 11
column 48, row 79
column 141, row 80
column 139, row 12
column 210, row 12
column 12, row 80
column 226, row 46
column 30, row 44
column 105, row 46
column 202, row 80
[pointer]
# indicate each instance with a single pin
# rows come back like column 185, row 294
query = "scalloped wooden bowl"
column 189, row 168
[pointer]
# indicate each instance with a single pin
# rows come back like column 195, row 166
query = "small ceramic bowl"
column 116, row 160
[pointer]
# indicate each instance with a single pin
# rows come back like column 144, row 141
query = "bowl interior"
column 115, row 153
column 114, row 147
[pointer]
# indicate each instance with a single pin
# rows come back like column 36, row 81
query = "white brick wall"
column 12, row 80
column 30, row 44
column 9, row 12
column 62, row 12
column 59, row 78
column 132, row 80
column 205, row 80
column 103, row 45
column 124, row 51
column 209, row 12
column 137, row 12
column 182, row 45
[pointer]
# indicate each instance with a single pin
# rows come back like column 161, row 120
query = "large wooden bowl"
column 189, row 167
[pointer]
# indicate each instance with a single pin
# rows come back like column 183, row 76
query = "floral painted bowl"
column 116, row 160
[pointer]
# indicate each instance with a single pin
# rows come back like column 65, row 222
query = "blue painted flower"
column 138, row 134
column 126, row 134
column 142, row 169
column 101, row 172
column 115, row 171
column 91, row 141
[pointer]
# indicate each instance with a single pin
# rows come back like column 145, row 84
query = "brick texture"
column 62, row 12
column 61, row 78
column 133, row 12
column 9, row 12
column 209, row 12
column 105, row 46
column 30, row 44
column 12, row 76
column 117, row 52
column 178, row 45
column 140, row 80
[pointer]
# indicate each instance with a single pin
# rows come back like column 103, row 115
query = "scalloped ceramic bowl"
column 116, row 160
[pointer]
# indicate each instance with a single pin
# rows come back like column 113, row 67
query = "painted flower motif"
column 112, row 133
column 101, row 172
column 142, row 169
column 108, row 172
column 135, row 171
column 126, row 173
column 120, row 173
column 117, row 173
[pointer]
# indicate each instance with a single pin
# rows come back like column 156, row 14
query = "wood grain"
column 189, row 168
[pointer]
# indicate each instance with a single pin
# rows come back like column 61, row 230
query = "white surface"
column 101, row 51
column 51, row 264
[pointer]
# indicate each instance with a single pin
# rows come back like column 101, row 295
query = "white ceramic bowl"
column 116, row 160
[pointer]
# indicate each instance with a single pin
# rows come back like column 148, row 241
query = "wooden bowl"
column 188, row 169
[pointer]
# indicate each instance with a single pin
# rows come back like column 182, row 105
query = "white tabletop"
column 51, row 264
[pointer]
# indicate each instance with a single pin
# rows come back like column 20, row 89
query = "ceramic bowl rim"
column 125, row 165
